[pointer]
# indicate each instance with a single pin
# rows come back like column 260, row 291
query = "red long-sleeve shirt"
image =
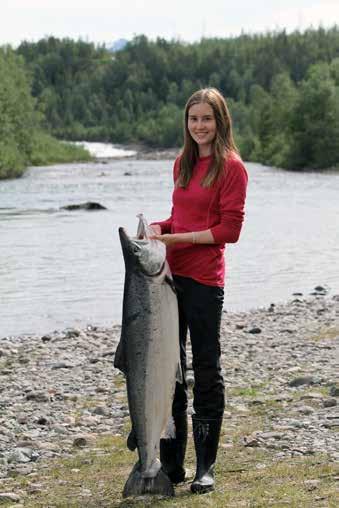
column 219, row 208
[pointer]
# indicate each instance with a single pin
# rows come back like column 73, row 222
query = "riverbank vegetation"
column 22, row 138
column 282, row 89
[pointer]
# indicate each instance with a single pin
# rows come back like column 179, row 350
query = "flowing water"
column 61, row 269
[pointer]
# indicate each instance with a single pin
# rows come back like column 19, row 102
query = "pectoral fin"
column 171, row 284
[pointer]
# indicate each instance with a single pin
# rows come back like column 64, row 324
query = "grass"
column 251, row 391
column 245, row 477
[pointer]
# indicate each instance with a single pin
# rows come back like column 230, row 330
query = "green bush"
column 47, row 150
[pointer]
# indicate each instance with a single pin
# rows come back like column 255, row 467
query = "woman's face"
column 202, row 126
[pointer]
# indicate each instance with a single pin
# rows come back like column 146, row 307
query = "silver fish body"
column 149, row 356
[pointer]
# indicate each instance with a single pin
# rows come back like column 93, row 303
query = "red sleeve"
column 231, row 203
column 166, row 225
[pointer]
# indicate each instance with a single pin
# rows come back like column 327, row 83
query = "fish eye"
column 135, row 248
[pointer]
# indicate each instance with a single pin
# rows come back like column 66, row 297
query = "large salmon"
column 148, row 355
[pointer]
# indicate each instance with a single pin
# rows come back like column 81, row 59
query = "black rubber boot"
column 172, row 451
column 206, row 433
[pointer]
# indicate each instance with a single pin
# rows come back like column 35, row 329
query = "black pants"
column 200, row 309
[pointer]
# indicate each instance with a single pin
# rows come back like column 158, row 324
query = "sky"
column 104, row 21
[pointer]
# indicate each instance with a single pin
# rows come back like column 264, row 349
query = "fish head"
column 143, row 254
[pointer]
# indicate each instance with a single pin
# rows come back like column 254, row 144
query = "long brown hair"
column 223, row 144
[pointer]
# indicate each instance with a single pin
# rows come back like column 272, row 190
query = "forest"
column 282, row 90
column 23, row 138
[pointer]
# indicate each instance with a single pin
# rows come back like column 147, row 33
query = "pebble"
column 305, row 410
column 311, row 484
column 255, row 330
column 80, row 442
column 330, row 402
column 299, row 381
column 334, row 391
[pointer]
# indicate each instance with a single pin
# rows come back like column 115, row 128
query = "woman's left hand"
column 166, row 239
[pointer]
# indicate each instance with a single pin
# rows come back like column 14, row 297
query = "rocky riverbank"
column 60, row 391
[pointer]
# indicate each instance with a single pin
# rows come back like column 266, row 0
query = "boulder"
column 89, row 205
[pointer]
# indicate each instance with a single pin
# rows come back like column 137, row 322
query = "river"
column 63, row 269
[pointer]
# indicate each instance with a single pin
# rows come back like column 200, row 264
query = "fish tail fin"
column 138, row 485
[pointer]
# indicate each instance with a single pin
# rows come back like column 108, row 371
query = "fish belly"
column 155, row 362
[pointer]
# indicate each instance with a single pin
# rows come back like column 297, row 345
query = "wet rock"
column 89, row 205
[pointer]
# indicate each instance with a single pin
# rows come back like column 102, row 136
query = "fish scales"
column 150, row 389
column 149, row 356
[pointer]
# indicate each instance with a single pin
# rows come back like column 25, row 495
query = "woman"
column 208, row 209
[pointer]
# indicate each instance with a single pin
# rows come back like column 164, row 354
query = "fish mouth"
column 123, row 234
column 125, row 238
column 132, row 248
